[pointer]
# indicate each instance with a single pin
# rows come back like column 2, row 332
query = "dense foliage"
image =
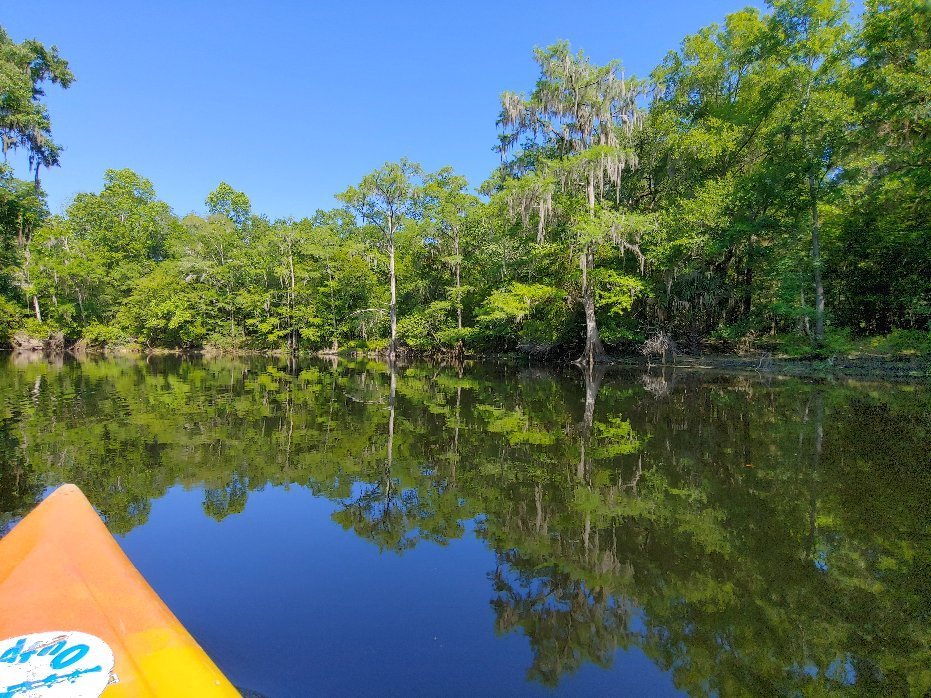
column 766, row 186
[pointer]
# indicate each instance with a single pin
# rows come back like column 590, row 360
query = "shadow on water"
column 747, row 535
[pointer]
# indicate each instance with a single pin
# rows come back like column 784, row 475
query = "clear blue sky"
column 293, row 101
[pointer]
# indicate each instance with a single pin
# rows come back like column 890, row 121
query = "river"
column 341, row 528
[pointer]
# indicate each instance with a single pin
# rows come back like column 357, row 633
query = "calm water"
column 338, row 529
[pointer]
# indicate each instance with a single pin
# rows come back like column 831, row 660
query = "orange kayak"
column 78, row 619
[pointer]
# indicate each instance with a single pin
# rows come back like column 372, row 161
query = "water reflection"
column 748, row 535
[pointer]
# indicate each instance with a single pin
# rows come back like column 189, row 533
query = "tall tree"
column 703, row 156
column 226, row 201
column 748, row 140
column 213, row 252
column 383, row 201
column 814, row 50
column 580, row 117
column 886, row 222
column 22, row 210
column 24, row 119
column 448, row 206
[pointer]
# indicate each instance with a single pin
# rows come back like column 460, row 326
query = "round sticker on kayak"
column 54, row 664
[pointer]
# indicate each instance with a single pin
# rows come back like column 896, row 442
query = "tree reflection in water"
column 748, row 534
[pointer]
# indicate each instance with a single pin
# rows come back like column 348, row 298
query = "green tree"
column 383, row 201
column 884, row 217
column 450, row 209
column 580, row 117
column 226, row 201
column 702, row 156
column 813, row 51
column 22, row 210
column 83, row 265
column 24, row 119
column 213, row 251
column 746, row 147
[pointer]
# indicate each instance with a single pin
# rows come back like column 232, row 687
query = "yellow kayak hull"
column 63, row 577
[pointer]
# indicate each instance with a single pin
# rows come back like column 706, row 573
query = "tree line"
column 766, row 186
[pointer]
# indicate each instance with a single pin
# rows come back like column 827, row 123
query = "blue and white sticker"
column 55, row 664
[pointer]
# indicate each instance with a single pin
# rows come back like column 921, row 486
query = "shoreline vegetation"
column 758, row 202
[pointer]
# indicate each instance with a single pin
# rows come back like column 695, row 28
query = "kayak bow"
column 78, row 619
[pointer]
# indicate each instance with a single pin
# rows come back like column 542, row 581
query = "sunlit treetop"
column 24, row 119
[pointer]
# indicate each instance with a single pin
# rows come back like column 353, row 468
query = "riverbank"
column 885, row 367
column 889, row 366
column 899, row 355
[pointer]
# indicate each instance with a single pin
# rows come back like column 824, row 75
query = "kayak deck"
column 64, row 579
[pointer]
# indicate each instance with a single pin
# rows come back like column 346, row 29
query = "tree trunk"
column 329, row 272
column 816, row 261
column 35, row 304
column 393, row 346
column 804, row 324
column 458, row 284
column 229, row 296
column 292, row 338
column 594, row 350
